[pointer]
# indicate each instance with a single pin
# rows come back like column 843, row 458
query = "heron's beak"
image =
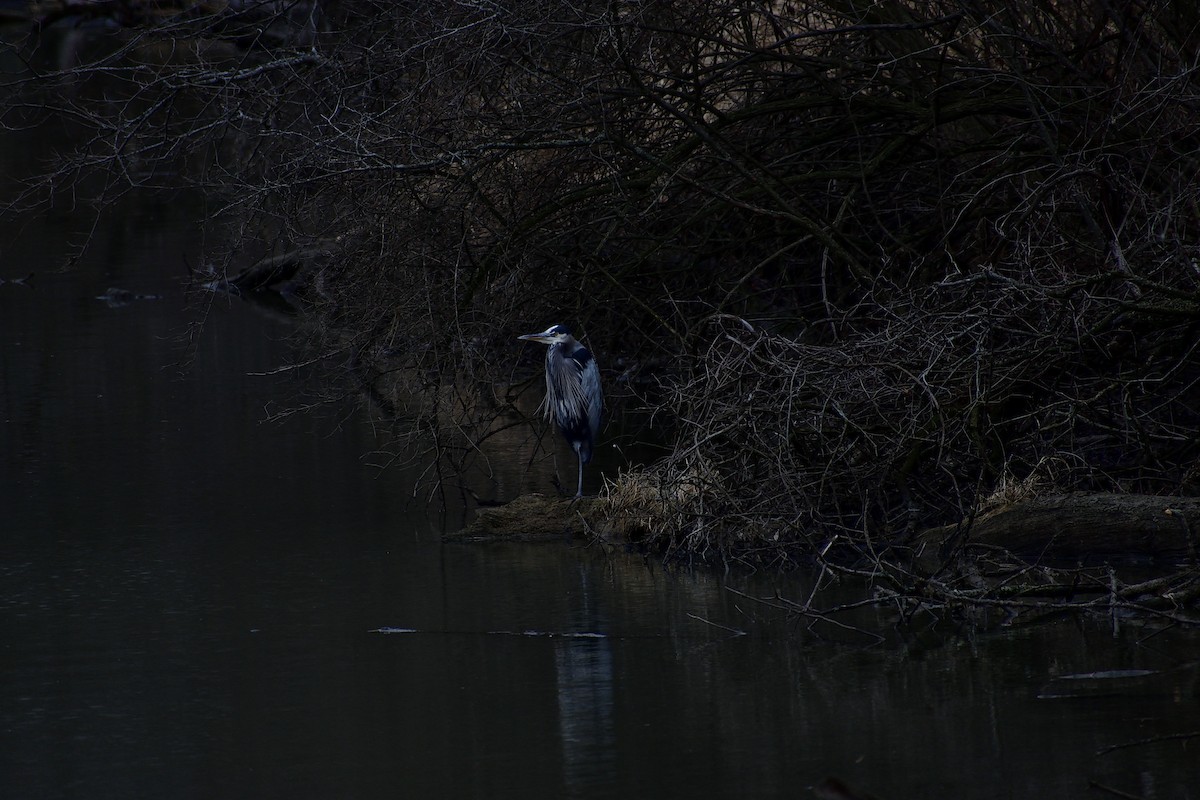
column 535, row 337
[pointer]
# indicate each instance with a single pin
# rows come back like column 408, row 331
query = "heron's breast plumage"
column 573, row 395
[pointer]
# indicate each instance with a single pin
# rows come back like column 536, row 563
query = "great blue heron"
column 573, row 398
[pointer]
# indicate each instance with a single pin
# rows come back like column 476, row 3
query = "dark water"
column 198, row 601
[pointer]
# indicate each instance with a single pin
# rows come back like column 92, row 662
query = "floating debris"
column 1122, row 682
column 543, row 634
column 116, row 298
column 19, row 281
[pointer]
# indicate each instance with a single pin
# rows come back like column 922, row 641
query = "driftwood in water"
column 268, row 272
column 281, row 273
column 1083, row 524
column 529, row 518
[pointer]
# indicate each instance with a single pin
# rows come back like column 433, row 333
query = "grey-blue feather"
column 573, row 396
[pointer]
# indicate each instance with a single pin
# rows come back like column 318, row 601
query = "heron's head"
column 555, row 334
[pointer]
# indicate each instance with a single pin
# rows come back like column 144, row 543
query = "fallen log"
column 266, row 273
column 1086, row 524
column 278, row 273
column 1077, row 525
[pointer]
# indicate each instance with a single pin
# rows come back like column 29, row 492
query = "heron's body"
column 573, row 396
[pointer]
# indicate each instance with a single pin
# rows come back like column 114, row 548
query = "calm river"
column 200, row 598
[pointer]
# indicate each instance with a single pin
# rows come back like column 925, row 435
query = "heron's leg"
column 579, row 492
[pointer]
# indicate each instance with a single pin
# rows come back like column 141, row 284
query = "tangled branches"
column 935, row 399
column 901, row 255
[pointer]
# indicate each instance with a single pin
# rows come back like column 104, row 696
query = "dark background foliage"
column 888, row 260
